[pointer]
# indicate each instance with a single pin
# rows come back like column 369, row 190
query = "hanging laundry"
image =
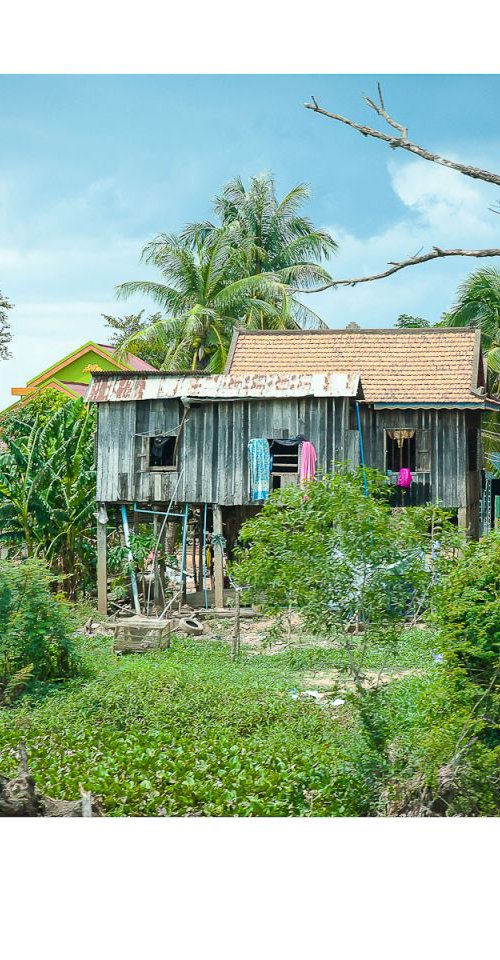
column 307, row 461
column 404, row 478
column 260, row 468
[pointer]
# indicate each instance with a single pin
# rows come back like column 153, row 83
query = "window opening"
column 162, row 453
column 472, row 458
column 285, row 456
column 400, row 450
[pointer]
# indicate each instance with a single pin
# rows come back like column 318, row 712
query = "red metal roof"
column 106, row 387
column 135, row 362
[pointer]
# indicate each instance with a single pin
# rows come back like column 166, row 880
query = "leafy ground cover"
column 187, row 732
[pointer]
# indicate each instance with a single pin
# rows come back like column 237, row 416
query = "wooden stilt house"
column 396, row 399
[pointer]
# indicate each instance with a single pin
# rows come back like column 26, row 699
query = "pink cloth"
column 404, row 478
column 307, row 461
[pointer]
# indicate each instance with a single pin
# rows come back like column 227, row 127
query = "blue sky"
column 93, row 167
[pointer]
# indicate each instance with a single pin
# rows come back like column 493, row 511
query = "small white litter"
column 338, row 702
column 312, row 693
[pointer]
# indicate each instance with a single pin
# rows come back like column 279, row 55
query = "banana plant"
column 47, row 491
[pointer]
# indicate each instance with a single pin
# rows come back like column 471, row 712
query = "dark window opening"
column 472, row 458
column 400, row 451
column 285, row 457
column 162, row 453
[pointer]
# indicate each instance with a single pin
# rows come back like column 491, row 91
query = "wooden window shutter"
column 423, row 442
column 143, row 452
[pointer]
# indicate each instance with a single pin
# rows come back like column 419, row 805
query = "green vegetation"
column 406, row 321
column 128, row 327
column 356, row 572
column 361, row 711
column 345, row 561
column 36, row 637
column 188, row 732
column 243, row 269
column 478, row 305
column 47, row 489
column 5, row 334
column 467, row 610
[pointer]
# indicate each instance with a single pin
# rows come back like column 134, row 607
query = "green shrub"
column 36, row 636
column 342, row 559
column 467, row 612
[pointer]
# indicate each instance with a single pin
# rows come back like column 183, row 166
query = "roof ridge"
column 355, row 333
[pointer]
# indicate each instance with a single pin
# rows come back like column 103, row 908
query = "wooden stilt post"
column 463, row 518
column 237, row 629
column 218, row 558
column 102, row 573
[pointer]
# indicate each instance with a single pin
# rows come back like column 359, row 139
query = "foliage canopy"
column 245, row 269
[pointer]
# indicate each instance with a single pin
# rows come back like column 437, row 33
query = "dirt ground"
column 258, row 636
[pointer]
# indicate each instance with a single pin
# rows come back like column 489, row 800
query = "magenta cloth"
column 307, row 461
column 404, row 478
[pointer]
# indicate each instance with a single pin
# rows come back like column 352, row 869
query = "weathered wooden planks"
column 212, row 460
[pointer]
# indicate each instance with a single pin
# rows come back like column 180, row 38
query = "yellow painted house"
column 71, row 375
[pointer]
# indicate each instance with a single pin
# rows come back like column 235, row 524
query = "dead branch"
column 382, row 112
column 402, row 141
column 433, row 254
column 19, row 797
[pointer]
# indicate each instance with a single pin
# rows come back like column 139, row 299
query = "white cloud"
column 439, row 207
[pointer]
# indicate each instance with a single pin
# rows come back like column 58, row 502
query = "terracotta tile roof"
column 409, row 366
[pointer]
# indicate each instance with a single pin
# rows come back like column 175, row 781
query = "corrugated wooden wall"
column 447, row 431
column 212, row 457
column 212, row 454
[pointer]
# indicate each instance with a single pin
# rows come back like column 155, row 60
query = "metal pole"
column 102, row 577
column 184, row 546
column 218, row 557
column 205, row 555
column 361, row 449
column 133, row 581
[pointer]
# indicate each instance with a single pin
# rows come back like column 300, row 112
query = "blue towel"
column 260, row 468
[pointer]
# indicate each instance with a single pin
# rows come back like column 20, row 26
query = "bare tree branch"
column 382, row 112
column 402, row 141
column 434, row 254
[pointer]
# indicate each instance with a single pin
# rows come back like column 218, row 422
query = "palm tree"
column 478, row 305
column 246, row 269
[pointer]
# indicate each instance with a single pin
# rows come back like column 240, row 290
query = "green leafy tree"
column 128, row 326
column 345, row 561
column 5, row 333
column 245, row 269
column 47, row 487
column 405, row 321
column 41, row 406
